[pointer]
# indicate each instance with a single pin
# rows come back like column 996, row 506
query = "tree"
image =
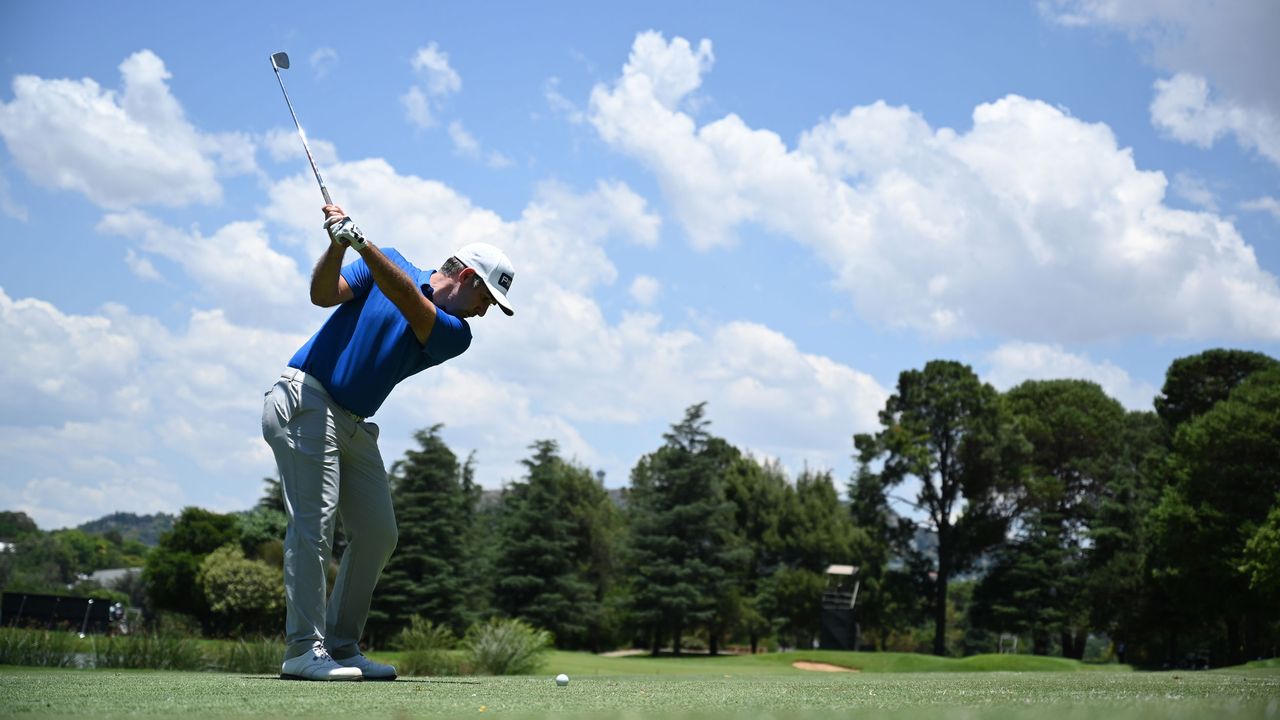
column 1117, row 585
column 894, row 574
column 1075, row 433
column 759, row 494
column 683, row 554
column 1226, row 480
column 1194, row 384
column 547, row 536
column 172, row 568
column 430, row 572
column 1262, row 557
column 16, row 525
column 946, row 429
column 262, row 532
column 272, row 495
column 243, row 595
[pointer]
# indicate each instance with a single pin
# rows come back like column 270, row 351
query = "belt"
column 314, row 384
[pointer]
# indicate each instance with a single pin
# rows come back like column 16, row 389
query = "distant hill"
column 131, row 526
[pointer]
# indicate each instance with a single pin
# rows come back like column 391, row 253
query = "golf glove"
column 343, row 230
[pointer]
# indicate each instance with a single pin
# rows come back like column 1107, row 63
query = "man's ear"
column 466, row 274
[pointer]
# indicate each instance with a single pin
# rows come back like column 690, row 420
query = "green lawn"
column 763, row 687
column 780, row 663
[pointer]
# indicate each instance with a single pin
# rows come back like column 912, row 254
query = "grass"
column 721, row 688
column 780, row 663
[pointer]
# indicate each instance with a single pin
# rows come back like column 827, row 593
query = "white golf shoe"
column 369, row 669
column 315, row 664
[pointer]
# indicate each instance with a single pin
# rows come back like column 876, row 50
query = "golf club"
column 345, row 228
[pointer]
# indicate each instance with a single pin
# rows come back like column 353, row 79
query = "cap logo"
column 505, row 281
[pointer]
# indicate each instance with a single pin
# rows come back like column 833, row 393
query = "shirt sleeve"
column 358, row 277
column 449, row 338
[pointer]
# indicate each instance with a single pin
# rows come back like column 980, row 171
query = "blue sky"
column 774, row 208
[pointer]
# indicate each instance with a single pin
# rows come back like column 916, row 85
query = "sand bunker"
column 821, row 667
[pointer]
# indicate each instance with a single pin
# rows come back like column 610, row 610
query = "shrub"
column 422, row 634
column 39, row 648
column 434, row 662
column 247, row 656
column 242, row 594
column 506, row 647
column 151, row 652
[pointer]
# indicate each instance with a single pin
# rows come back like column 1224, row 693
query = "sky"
column 773, row 208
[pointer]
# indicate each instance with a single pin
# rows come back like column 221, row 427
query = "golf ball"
column 562, row 679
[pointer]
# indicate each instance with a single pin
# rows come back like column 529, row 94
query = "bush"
column 506, row 647
column 422, row 634
column 437, row 663
column 242, row 594
column 38, row 648
column 247, row 656
column 149, row 652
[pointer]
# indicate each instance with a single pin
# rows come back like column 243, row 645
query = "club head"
column 280, row 60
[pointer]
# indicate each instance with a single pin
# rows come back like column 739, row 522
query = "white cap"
column 494, row 267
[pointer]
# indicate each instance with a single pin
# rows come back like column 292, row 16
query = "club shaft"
column 323, row 190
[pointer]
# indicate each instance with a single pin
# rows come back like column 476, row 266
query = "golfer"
column 392, row 321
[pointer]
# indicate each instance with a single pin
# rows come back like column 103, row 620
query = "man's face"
column 472, row 298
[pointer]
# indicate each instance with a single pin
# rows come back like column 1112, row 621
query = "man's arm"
column 399, row 288
column 328, row 287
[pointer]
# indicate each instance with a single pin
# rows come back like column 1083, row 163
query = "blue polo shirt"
column 366, row 346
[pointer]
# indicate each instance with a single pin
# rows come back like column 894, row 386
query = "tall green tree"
column 1117, row 584
column 1194, row 384
column 1227, row 478
column 430, row 572
column 759, row 493
column 1076, row 435
column 816, row 531
column 683, row 553
column 173, row 566
column 946, row 429
column 554, row 549
column 894, row 574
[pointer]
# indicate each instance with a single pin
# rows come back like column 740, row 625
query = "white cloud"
column 1195, row 191
column 464, row 143
column 1016, row 362
column 235, row 267
column 645, row 289
column 1265, row 204
column 1183, row 109
column 1228, row 45
column 561, row 104
column 141, row 266
column 323, row 60
column 285, row 145
column 113, row 411
column 1033, row 224
column 118, row 149
column 437, row 80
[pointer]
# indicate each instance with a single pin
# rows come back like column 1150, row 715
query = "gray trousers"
column 329, row 466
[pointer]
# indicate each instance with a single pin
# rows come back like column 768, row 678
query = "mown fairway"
column 678, row 689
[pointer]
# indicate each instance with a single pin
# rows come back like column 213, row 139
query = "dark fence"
column 51, row 612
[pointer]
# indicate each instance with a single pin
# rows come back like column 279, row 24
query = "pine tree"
column 759, row 494
column 543, row 556
column 430, row 574
column 683, row 551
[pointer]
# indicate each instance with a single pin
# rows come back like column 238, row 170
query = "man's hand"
column 342, row 230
